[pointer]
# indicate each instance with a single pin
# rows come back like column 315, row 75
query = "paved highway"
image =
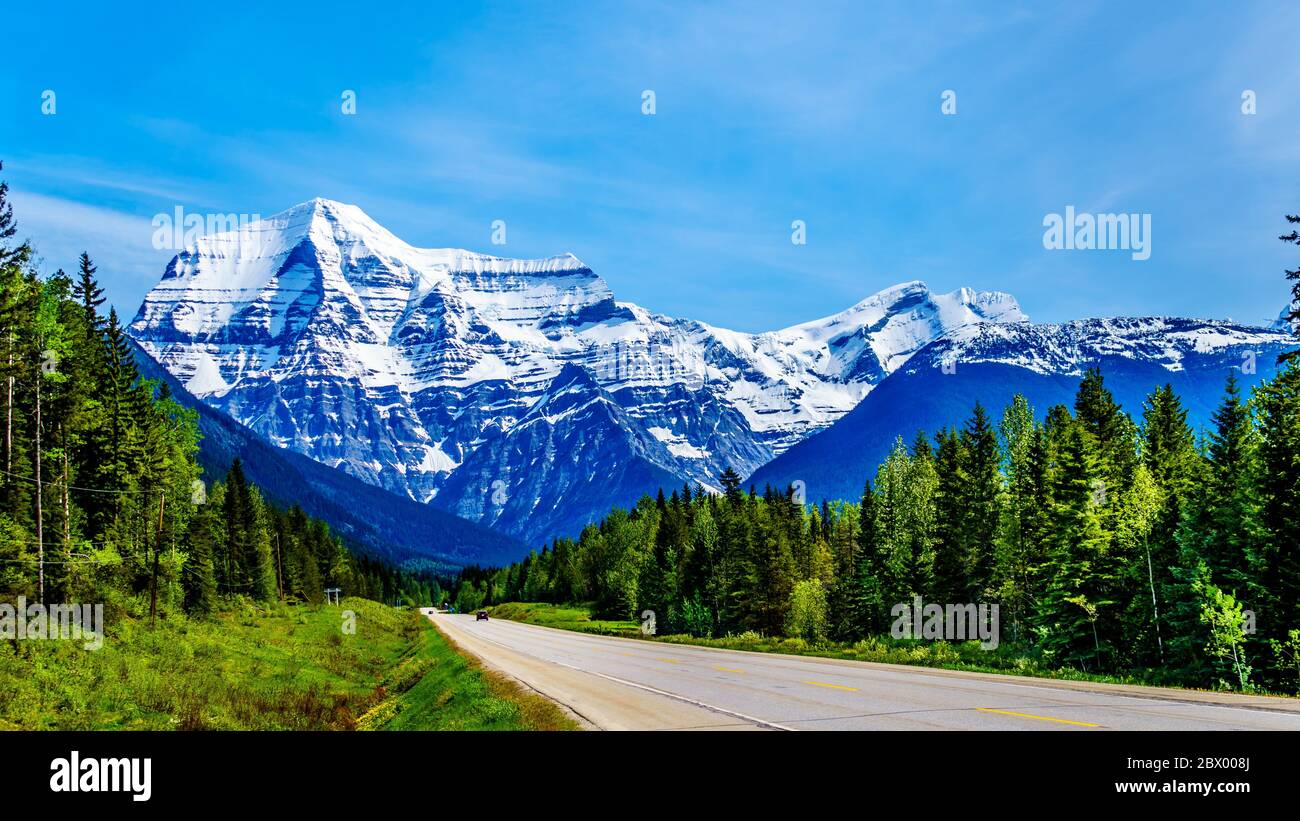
column 616, row 683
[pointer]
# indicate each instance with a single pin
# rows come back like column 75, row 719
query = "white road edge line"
column 1172, row 699
column 751, row 719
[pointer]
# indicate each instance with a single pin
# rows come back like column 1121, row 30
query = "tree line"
column 101, row 497
column 1110, row 544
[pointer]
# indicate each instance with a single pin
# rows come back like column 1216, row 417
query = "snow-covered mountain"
column 517, row 393
column 1283, row 321
column 990, row 363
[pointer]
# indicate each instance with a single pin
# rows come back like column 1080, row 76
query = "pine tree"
column 1072, row 603
column 11, row 256
column 1279, row 490
column 261, row 570
column 1292, row 274
column 868, row 604
column 235, row 576
column 1019, row 542
column 981, row 502
column 1112, row 429
column 18, row 295
column 1218, row 536
column 200, row 583
column 98, row 468
column 90, row 295
column 952, row 554
column 1170, row 456
column 1226, row 521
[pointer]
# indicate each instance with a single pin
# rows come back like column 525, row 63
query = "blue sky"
column 765, row 113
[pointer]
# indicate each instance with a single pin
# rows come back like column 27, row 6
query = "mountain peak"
column 959, row 307
column 322, row 207
column 331, row 336
column 325, row 218
column 1283, row 321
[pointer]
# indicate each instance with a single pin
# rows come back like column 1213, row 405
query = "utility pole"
column 1155, row 606
column 40, row 530
column 9, row 413
column 279, row 564
column 67, row 514
column 153, row 592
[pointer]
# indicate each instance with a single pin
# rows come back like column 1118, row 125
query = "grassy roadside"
column 278, row 667
column 967, row 656
column 565, row 616
column 456, row 692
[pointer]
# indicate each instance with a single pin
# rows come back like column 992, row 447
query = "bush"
column 807, row 619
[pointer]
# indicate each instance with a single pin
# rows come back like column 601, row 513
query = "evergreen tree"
column 88, row 293
column 1279, row 511
column 200, row 578
column 869, row 571
column 1292, row 274
column 1224, row 526
column 11, row 255
column 1113, row 432
column 1170, row 457
column 981, row 501
column 1019, row 551
column 952, row 553
column 99, row 468
column 1071, row 605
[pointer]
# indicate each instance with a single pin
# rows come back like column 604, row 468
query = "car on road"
column 481, row 616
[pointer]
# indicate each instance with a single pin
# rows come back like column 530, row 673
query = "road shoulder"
column 1281, row 704
column 594, row 701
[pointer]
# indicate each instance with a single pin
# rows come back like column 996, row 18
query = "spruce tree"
column 1112, row 429
column 981, row 502
column 952, row 557
column 1219, row 534
column 1170, row 456
column 1018, row 532
column 1292, row 275
column 1226, row 519
column 868, row 606
column 88, row 293
column 200, row 582
column 11, row 254
column 1073, row 603
column 1279, row 490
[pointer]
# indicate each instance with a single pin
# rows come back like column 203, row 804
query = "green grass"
column 262, row 668
column 452, row 691
column 969, row 656
column 565, row 616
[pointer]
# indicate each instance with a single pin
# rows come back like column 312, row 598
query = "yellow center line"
column 728, row 670
column 1038, row 718
column 832, row 686
column 671, row 661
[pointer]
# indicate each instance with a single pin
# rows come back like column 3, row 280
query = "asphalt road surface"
column 616, row 683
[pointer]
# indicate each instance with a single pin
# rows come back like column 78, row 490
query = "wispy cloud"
column 120, row 243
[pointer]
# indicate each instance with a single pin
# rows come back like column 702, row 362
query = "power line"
column 50, row 561
column 74, row 487
column 54, row 544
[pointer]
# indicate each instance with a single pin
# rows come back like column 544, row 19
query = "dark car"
column 481, row 616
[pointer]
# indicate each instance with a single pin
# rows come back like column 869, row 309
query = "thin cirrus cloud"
column 119, row 243
column 766, row 113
